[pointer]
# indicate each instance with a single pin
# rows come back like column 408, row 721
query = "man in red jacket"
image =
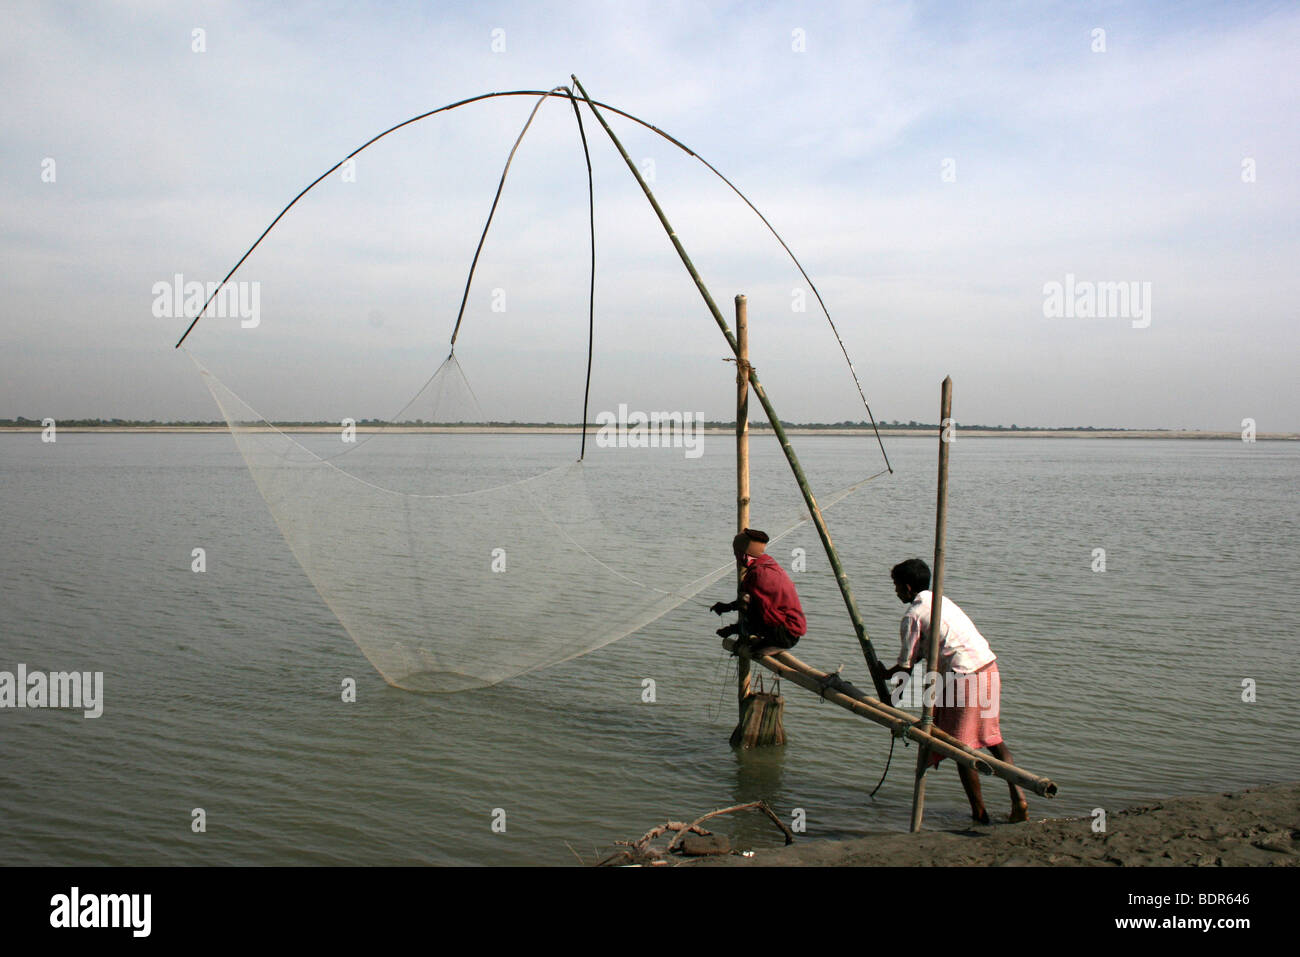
column 768, row 603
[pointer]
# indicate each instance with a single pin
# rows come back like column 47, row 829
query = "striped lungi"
column 974, row 722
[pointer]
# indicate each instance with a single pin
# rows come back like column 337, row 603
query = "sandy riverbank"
column 1254, row 827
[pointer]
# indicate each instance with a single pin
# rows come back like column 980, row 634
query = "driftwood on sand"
column 688, row 840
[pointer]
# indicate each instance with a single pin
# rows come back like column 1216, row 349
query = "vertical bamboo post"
column 936, row 599
column 842, row 579
column 742, row 464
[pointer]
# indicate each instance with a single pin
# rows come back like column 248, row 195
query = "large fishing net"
column 457, row 556
column 452, row 570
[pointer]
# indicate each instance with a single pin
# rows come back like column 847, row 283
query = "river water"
column 222, row 689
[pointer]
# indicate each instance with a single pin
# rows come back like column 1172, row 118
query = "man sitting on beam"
column 768, row 604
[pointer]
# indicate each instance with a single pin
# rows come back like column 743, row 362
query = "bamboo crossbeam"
column 787, row 666
column 1043, row 787
column 865, row 709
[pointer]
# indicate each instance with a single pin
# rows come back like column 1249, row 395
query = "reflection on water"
column 758, row 776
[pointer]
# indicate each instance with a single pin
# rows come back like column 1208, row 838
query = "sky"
column 948, row 174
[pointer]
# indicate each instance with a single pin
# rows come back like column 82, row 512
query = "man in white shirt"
column 968, row 686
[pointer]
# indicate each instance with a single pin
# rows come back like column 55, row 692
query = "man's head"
column 910, row 578
column 750, row 542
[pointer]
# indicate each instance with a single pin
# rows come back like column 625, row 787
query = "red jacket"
column 772, row 592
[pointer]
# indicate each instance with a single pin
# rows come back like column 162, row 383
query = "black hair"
column 914, row 573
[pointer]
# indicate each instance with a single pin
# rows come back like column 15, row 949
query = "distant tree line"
column 22, row 421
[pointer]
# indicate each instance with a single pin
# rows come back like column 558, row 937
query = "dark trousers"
column 763, row 635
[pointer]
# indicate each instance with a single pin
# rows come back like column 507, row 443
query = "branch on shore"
column 641, row 852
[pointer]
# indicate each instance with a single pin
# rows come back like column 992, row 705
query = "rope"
column 888, row 761
column 831, row 682
column 460, row 315
column 469, row 279
column 834, row 681
column 591, row 293
column 726, row 681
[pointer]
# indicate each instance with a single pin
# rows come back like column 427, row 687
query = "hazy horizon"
column 28, row 422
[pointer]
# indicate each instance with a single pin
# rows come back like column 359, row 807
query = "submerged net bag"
column 762, row 717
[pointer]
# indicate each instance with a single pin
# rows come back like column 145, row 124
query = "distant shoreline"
column 754, row 430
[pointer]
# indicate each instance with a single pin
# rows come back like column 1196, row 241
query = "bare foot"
column 1019, row 813
column 982, row 817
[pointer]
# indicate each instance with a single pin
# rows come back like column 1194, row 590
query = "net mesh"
column 457, row 558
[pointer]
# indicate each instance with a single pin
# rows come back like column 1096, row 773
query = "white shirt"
column 962, row 648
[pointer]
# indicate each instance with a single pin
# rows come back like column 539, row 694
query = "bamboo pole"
column 936, row 598
column 742, row 467
column 814, row 511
